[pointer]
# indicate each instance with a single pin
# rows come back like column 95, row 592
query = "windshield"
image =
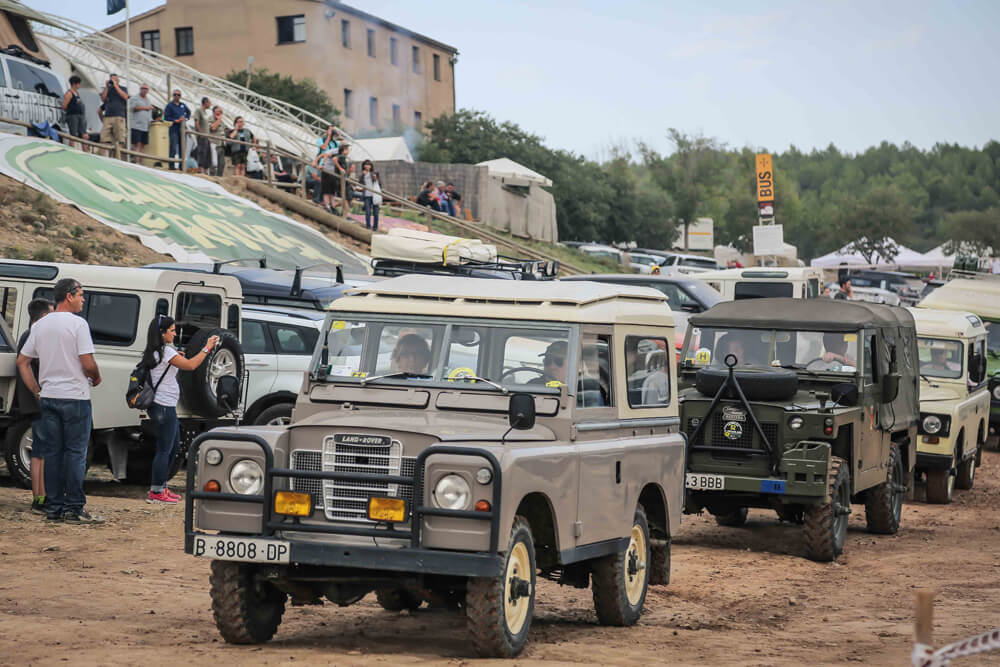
column 760, row 290
column 811, row 350
column 940, row 358
column 416, row 351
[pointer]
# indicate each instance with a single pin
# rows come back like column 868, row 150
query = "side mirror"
column 227, row 393
column 844, row 393
column 521, row 411
column 977, row 369
column 691, row 307
column 890, row 387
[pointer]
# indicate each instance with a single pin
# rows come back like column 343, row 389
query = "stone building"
column 379, row 74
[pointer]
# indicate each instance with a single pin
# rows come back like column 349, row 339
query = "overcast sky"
column 586, row 75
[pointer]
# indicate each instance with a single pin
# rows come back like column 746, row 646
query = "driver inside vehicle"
column 835, row 345
column 412, row 354
column 553, row 363
column 939, row 362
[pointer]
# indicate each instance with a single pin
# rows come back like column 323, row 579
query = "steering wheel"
column 511, row 371
column 829, row 365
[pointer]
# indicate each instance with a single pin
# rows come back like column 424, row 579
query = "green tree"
column 975, row 230
column 874, row 221
column 303, row 93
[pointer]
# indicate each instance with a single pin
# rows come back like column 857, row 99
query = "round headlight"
column 996, row 392
column 795, row 423
column 213, row 457
column 246, row 477
column 452, row 493
column 932, row 424
column 484, row 475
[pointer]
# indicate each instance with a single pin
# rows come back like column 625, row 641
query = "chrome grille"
column 308, row 460
column 348, row 501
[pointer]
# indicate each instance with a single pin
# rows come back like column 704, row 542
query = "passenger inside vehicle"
column 412, row 354
column 835, row 355
column 730, row 344
column 594, row 376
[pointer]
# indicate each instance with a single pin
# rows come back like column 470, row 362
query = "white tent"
column 384, row 149
column 505, row 167
column 905, row 257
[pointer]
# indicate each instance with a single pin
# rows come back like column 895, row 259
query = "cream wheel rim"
column 635, row 566
column 515, row 606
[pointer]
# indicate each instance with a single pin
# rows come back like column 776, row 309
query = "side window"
column 812, row 288
column 9, row 304
column 594, row 374
column 255, row 339
column 5, row 345
column 113, row 318
column 871, row 359
column 536, row 359
column 293, row 340
column 34, row 79
column 233, row 319
column 196, row 311
column 648, row 372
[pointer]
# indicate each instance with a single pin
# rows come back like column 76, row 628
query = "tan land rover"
column 454, row 439
column 954, row 399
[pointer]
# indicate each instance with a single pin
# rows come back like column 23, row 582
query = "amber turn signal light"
column 392, row 510
column 211, row 486
column 482, row 506
column 292, row 504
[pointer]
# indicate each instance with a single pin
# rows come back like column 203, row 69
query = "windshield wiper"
column 793, row 367
column 474, row 378
column 406, row 374
column 927, row 380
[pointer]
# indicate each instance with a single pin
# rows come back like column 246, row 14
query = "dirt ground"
column 125, row 593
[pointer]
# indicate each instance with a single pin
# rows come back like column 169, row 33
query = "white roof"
column 947, row 323
column 503, row 166
column 762, row 273
column 981, row 296
column 384, row 149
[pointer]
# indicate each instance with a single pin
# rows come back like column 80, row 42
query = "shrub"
column 44, row 254
column 13, row 252
column 77, row 231
column 80, row 250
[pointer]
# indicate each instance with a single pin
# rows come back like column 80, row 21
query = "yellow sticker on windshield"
column 339, row 324
column 851, row 338
column 555, row 384
column 703, row 356
column 359, row 374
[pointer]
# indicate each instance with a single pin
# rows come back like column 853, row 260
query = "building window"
column 151, row 40
column 347, row 103
column 393, row 51
column 185, row 41
column 373, row 111
column 416, row 60
column 395, row 116
column 291, row 29
column 371, row 43
column 345, row 34
column 437, row 67
column 418, row 119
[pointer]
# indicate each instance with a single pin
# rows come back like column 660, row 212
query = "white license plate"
column 700, row 482
column 244, row 549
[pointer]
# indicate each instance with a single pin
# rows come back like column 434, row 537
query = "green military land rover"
column 802, row 406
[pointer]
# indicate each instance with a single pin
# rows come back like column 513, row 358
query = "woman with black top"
column 76, row 120
column 342, row 167
column 372, row 193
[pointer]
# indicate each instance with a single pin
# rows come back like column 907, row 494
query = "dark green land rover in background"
column 802, row 406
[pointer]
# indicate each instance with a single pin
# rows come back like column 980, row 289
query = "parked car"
column 906, row 285
column 803, row 406
column 29, row 90
column 454, row 439
column 954, row 399
column 120, row 303
column 690, row 263
column 764, row 282
column 869, row 294
column 644, row 263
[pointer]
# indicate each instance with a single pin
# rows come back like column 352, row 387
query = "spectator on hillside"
column 202, row 123
column 456, row 201
column 845, row 293
column 176, row 113
column 453, row 196
column 323, row 162
column 115, row 99
column 254, row 167
column 442, row 196
column 372, row 193
column 314, row 184
column 76, row 118
column 27, row 406
column 67, row 370
column 424, row 196
column 343, row 168
column 278, row 170
column 237, row 151
column 217, row 129
column 330, row 141
column 140, row 109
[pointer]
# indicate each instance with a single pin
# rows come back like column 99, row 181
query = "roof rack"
column 261, row 262
column 296, row 289
column 507, row 268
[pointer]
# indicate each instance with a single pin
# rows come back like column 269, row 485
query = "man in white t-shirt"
column 66, row 371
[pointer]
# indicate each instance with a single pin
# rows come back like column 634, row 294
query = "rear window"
column 752, row 290
column 113, row 318
column 35, row 79
column 294, row 340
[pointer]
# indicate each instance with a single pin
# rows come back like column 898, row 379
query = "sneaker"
column 82, row 517
column 161, row 497
column 38, row 506
column 53, row 517
column 168, row 492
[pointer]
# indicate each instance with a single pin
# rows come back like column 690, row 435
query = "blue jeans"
column 168, row 443
column 175, row 144
column 370, row 210
column 64, row 427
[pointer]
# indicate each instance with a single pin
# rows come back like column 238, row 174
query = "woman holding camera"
column 164, row 362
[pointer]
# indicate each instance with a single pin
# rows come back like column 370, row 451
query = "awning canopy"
column 506, row 167
column 384, row 149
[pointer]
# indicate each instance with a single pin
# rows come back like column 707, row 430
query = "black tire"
column 824, row 527
column 966, row 476
column 771, row 384
column 620, row 581
column 884, row 503
column 939, row 486
column 18, row 452
column 396, row 599
column 485, row 599
column 246, row 611
column 198, row 386
column 278, row 411
column 733, row 519
column 659, row 562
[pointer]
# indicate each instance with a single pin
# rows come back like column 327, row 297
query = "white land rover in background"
column 29, row 91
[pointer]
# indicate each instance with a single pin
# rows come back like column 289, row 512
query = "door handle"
column 256, row 364
column 16, row 97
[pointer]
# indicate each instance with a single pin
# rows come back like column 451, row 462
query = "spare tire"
column 198, row 386
column 758, row 384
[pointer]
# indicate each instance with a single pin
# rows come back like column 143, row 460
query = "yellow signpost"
column 765, row 178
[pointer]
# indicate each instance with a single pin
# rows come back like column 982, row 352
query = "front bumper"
column 928, row 461
column 412, row 558
column 802, row 475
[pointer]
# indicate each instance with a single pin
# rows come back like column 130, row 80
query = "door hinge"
column 577, row 528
